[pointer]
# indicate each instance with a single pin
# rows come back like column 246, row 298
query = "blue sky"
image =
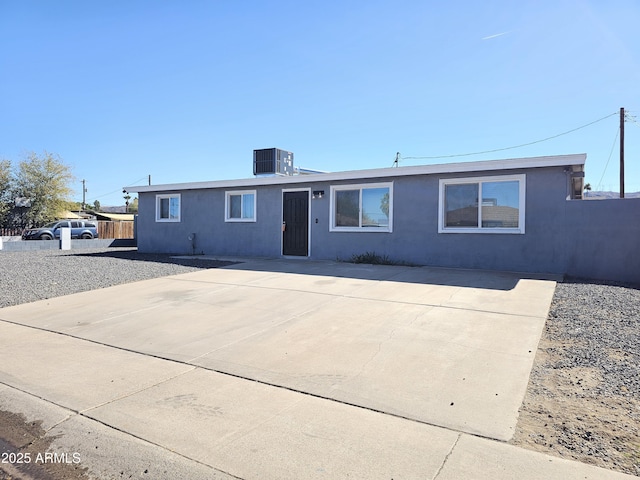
column 185, row 90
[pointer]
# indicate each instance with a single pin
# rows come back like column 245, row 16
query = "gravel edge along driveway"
column 583, row 398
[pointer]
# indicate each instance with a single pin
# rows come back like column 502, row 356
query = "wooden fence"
column 122, row 229
column 10, row 232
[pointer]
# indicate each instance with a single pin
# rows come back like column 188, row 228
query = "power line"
column 120, row 189
column 515, row 146
column 628, row 117
column 615, row 140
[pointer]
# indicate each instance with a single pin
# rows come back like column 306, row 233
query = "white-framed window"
column 482, row 204
column 362, row 208
column 240, row 206
column 168, row 208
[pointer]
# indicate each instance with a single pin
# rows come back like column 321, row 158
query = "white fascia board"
column 443, row 168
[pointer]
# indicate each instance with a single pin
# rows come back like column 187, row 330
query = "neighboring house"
column 520, row 215
column 69, row 215
column 114, row 209
column 114, row 217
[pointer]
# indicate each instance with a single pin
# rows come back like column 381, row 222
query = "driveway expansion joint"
column 354, row 296
column 140, row 390
column 50, row 402
column 221, row 372
column 84, row 414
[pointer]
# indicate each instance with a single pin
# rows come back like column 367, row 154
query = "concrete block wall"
column 31, row 245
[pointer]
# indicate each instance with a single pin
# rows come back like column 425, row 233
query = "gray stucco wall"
column 560, row 235
column 202, row 213
column 603, row 239
column 415, row 238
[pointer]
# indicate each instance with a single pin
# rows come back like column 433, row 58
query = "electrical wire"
column 515, row 146
column 615, row 140
column 120, row 189
column 628, row 117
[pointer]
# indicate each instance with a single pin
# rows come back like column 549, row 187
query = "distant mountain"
column 118, row 209
column 605, row 195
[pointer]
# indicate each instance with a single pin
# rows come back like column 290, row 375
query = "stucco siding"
column 582, row 238
column 603, row 239
column 415, row 238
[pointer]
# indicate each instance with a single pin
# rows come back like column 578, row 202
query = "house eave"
column 576, row 161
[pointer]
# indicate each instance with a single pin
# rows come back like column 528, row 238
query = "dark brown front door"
column 295, row 223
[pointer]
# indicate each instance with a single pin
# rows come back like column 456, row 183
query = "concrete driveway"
column 288, row 369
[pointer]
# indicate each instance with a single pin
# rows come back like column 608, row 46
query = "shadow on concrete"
column 133, row 255
column 123, row 242
column 469, row 278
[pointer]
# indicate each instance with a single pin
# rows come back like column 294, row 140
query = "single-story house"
column 69, row 215
column 523, row 214
column 114, row 217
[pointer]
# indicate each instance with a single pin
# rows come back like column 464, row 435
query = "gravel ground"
column 53, row 273
column 583, row 398
column 37, row 275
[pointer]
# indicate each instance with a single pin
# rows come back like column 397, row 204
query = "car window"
column 76, row 225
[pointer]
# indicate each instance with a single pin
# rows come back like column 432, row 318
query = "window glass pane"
column 235, row 206
column 375, row 207
column 461, row 205
column 500, row 204
column 247, row 205
column 347, row 208
column 164, row 208
column 174, row 207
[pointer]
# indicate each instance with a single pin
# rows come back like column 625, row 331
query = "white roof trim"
column 461, row 167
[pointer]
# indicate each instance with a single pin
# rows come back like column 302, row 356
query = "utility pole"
column 622, row 152
column 84, row 193
column 149, row 179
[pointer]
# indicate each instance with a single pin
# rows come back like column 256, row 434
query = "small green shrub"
column 371, row 258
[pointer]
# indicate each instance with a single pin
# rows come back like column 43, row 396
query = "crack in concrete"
column 444, row 462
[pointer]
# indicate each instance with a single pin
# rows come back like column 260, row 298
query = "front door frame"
column 285, row 190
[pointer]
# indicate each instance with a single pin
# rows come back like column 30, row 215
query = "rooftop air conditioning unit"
column 272, row 161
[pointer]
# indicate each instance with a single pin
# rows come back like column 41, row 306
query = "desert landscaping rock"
column 41, row 274
column 583, row 399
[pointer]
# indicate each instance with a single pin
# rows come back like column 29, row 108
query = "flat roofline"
column 446, row 168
